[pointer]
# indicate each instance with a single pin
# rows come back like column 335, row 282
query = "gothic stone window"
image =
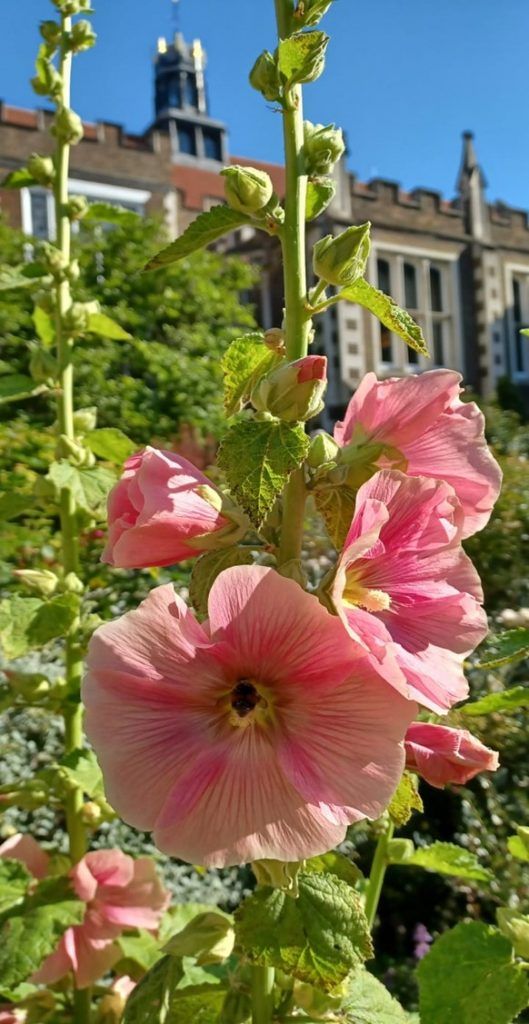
column 520, row 319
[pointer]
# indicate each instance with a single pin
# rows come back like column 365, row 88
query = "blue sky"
column 404, row 78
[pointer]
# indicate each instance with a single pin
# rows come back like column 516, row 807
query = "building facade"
column 460, row 267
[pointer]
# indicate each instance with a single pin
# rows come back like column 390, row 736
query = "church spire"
column 471, row 185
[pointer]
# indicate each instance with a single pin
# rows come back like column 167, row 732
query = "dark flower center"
column 244, row 697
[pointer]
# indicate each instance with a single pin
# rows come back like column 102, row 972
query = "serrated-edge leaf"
column 44, row 325
column 203, row 230
column 258, row 457
column 21, row 178
column 319, row 195
column 336, row 507
column 516, row 642
column 111, row 444
column 81, row 768
column 208, row 567
column 405, row 800
column 111, row 214
column 506, row 701
column 301, row 56
column 449, row 859
column 369, row 1002
column 243, row 364
column 388, row 312
column 105, row 327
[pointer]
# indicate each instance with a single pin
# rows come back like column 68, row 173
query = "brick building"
column 461, row 267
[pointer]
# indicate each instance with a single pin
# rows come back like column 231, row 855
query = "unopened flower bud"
column 274, row 339
column 76, row 207
column 91, row 814
column 264, row 76
column 51, row 32
column 41, row 580
column 76, row 319
column 323, row 450
column 85, row 420
column 324, row 145
column 247, row 189
column 55, row 261
column 302, row 57
column 342, row 261
column 72, row 6
column 42, row 169
column 82, row 37
column 73, row 271
column 400, row 851
column 67, row 126
column 42, row 364
column 293, row 391
column 72, row 584
column 48, row 82
column 45, row 300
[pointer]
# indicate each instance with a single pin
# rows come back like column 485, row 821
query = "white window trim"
column 98, row 190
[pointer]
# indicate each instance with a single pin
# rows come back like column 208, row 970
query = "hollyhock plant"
column 403, row 583
column 442, row 755
column 119, row 893
column 293, row 391
column 164, row 511
column 261, row 733
column 420, row 425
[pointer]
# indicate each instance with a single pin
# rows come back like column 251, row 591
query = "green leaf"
column 105, row 327
column 111, row 215
column 206, row 228
column 515, row 927
column 245, row 362
column 310, row 12
column 258, row 457
column 518, row 845
column 31, row 932
column 336, row 507
column 176, row 992
column 14, row 881
column 142, row 949
column 334, row 863
column 111, row 444
column 470, row 975
column 318, row 937
column 369, row 1002
column 449, row 859
column 21, row 178
column 54, row 618
column 301, row 57
column 81, row 769
column 505, row 649
column 14, row 277
column 388, row 312
column 89, row 486
column 16, row 616
column 44, row 326
column 405, row 800
column 319, row 195
column 207, row 568
column 208, row 938
column 15, row 387
column 507, row 700
column 12, row 505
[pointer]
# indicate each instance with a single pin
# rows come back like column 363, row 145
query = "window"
column 212, row 147
column 384, row 283
column 517, row 315
column 191, row 94
column 186, row 139
column 38, row 211
column 437, row 310
column 41, row 214
column 411, row 302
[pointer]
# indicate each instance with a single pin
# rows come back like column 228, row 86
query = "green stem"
column 82, row 1005
column 262, row 995
column 378, row 871
column 297, row 322
column 73, row 732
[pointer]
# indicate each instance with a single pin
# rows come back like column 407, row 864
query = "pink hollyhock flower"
column 119, row 893
column 30, row 853
column 419, row 424
column 261, row 733
column 403, row 580
column 10, row 1015
column 310, row 368
column 163, row 511
column 442, row 755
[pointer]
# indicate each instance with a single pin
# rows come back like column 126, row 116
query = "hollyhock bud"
column 82, row 36
column 323, row 146
column 323, row 450
column 51, row 32
column 76, row 319
column 264, row 76
column 342, row 260
column 247, row 189
column 72, row 6
column 293, row 391
column 42, row 169
column 164, row 511
column 41, row 580
column 67, row 126
column 85, row 420
column 77, row 207
column 442, row 755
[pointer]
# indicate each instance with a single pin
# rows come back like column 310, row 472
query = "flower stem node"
column 42, row 169
column 264, row 76
column 247, row 189
column 67, row 126
column 71, row 450
column 278, row 874
column 342, row 260
column 323, row 147
column 294, row 391
column 274, row 339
